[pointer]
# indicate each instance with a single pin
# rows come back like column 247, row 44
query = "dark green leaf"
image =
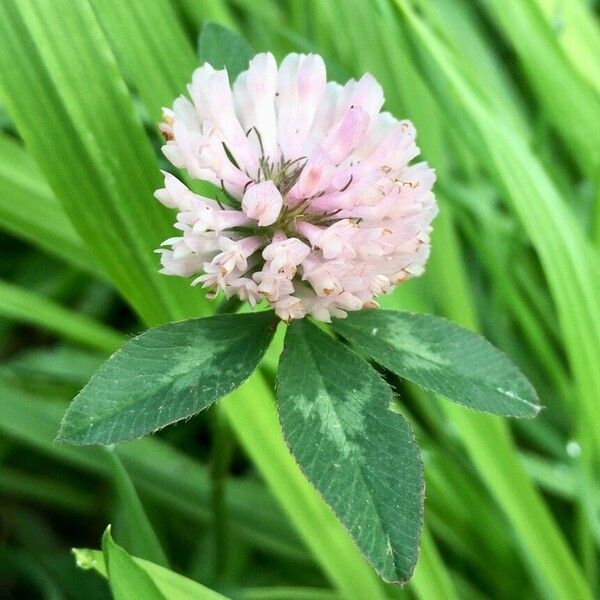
column 167, row 374
column 128, row 581
column 336, row 416
column 222, row 48
column 443, row 358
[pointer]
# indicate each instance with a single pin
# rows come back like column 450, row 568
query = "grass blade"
column 575, row 113
column 578, row 34
column 172, row 585
column 128, row 580
column 150, row 43
column 21, row 305
column 71, row 107
column 29, row 210
column 570, row 263
column 156, row 470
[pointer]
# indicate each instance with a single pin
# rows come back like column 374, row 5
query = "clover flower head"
column 319, row 209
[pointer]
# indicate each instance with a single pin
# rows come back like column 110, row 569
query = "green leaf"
column 431, row 580
column 361, row 455
column 167, row 374
column 442, row 358
column 575, row 112
column 224, row 49
column 252, row 412
column 571, row 270
column 128, row 581
column 171, row 584
column 570, row 264
column 579, row 36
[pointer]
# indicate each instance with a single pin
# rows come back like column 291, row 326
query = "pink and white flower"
column 319, row 210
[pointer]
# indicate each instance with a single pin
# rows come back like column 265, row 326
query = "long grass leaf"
column 578, row 33
column 431, row 580
column 488, row 441
column 570, row 263
column 178, row 482
column 23, row 306
column 143, row 542
column 61, row 86
column 150, row 43
column 575, row 112
column 29, row 209
column 171, row 584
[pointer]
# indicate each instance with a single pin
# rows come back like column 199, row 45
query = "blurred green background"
column 505, row 95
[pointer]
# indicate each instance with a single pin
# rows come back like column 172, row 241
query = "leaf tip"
column 84, row 559
column 107, row 538
column 64, row 435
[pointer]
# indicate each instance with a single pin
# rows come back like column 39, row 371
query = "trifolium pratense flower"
column 322, row 210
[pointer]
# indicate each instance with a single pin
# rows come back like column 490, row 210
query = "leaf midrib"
column 116, row 409
column 484, row 382
column 360, row 468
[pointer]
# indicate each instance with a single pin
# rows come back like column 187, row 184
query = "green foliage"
column 128, row 580
column 319, row 529
column 337, row 417
column 577, row 115
column 223, row 49
column 137, row 528
column 442, row 358
column 158, row 582
column 90, row 145
column 167, row 374
column 29, row 210
column 505, row 98
column 149, row 42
